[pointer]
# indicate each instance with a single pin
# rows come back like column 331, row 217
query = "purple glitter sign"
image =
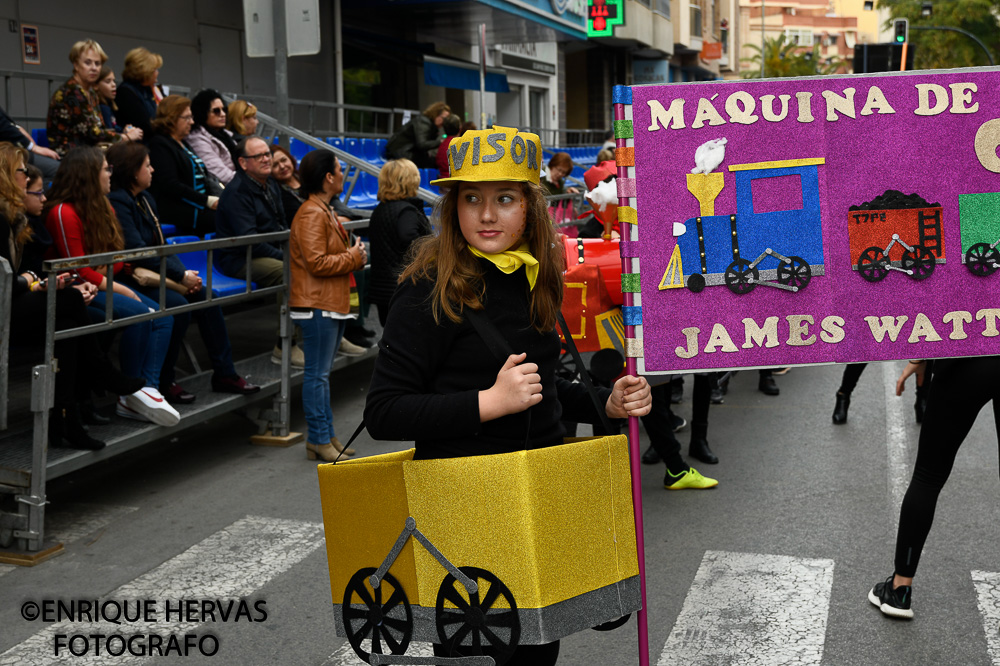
column 836, row 219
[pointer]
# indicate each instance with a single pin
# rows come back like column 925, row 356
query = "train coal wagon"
column 773, row 239
column 895, row 232
column 979, row 216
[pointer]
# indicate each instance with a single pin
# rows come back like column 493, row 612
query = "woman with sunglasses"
column 210, row 139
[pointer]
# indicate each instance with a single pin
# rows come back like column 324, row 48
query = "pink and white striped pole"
column 632, row 316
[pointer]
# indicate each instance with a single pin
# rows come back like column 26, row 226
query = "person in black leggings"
column 852, row 373
column 959, row 390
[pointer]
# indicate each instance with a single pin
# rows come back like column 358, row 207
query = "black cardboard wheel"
column 920, row 262
column 871, row 264
column 741, row 277
column 478, row 620
column 795, row 273
column 389, row 622
column 981, row 259
column 696, row 282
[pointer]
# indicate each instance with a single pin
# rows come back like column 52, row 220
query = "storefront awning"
column 462, row 75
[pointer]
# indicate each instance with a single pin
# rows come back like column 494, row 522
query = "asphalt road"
column 771, row 567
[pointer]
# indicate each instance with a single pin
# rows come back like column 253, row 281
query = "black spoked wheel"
column 486, row 618
column 982, row 260
column 795, row 272
column 387, row 624
column 613, row 624
column 920, row 262
column 741, row 277
column 872, row 264
column 696, row 282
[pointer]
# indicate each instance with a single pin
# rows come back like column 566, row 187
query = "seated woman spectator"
column 130, row 177
column 178, row 174
column 418, row 139
column 210, row 139
column 139, row 94
column 396, row 222
column 81, row 221
column 554, row 182
column 74, row 115
column 107, row 89
column 82, row 363
column 241, row 120
column 285, row 172
column 322, row 261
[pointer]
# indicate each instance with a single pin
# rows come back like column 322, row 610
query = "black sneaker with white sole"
column 892, row 602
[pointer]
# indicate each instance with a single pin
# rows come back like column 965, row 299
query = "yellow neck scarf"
column 510, row 260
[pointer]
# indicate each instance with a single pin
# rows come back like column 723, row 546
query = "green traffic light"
column 900, row 39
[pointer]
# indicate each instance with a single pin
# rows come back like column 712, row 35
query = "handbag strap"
column 585, row 377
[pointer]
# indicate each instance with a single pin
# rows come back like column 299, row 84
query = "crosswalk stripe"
column 67, row 523
column 754, row 609
column 345, row 655
column 987, row 585
column 230, row 564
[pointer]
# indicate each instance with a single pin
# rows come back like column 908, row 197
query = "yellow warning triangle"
column 675, row 271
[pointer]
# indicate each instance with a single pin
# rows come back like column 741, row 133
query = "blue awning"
column 462, row 75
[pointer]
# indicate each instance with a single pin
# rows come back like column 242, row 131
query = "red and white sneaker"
column 147, row 404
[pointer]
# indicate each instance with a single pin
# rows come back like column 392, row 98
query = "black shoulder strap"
column 488, row 332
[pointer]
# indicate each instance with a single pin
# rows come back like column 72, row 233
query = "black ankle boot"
column 840, row 409
column 650, row 457
column 70, row 430
column 90, row 416
column 699, row 451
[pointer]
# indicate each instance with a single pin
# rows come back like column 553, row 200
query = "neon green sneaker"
column 689, row 479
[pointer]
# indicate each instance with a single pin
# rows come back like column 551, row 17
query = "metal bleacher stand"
column 27, row 462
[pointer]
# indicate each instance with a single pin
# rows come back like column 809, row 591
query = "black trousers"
column 959, row 390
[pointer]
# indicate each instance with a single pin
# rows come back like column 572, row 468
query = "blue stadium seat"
column 40, row 137
column 168, row 229
column 354, row 147
column 336, row 142
column 198, row 261
column 365, row 195
column 370, row 149
column 380, row 145
column 298, row 149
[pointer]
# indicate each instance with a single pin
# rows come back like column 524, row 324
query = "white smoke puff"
column 709, row 156
column 605, row 193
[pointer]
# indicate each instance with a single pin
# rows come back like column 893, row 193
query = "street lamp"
column 926, row 9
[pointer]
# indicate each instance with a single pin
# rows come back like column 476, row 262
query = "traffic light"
column 901, row 30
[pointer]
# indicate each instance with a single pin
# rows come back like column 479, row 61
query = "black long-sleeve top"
column 393, row 227
column 178, row 187
column 137, row 216
column 427, row 376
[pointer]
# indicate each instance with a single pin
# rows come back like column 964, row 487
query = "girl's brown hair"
column 78, row 182
column 105, row 73
column 458, row 279
column 13, row 158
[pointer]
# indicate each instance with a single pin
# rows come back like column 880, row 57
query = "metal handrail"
column 43, row 376
column 268, row 127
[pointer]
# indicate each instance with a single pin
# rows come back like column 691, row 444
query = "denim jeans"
column 143, row 346
column 320, row 340
column 211, row 326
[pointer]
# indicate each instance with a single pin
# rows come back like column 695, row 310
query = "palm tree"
column 784, row 58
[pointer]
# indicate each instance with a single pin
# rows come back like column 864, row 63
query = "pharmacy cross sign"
column 603, row 16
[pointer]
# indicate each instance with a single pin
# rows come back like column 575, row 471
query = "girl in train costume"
column 436, row 379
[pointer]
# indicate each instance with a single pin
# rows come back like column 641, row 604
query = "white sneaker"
column 348, row 348
column 148, row 404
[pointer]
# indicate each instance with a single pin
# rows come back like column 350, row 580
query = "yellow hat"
column 501, row 153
